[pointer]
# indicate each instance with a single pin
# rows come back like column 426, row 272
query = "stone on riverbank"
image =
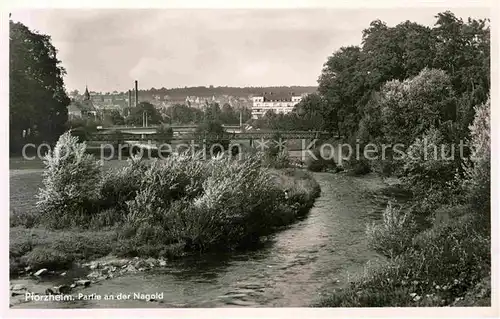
column 18, row 287
column 83, row 282
column 41, row 272
column 57, row 290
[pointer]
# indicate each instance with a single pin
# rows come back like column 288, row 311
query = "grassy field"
column 26, row 178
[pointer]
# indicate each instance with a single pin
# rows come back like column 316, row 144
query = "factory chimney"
column 136, row 94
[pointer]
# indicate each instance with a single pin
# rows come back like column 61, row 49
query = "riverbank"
column 288, row 269
column 38, row 254
column 444, row 264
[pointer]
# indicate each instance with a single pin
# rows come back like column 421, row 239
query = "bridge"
column 148, row 138
column 248, row 135
column 180, row 128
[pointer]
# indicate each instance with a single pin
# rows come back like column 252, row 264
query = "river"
column 292, row 269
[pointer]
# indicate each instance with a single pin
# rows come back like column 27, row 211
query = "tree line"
column 37, row 99
column 357, row 83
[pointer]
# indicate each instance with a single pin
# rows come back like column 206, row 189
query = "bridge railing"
column 225, row 136
column 128, row 127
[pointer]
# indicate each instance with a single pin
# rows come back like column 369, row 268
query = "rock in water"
column 131, row 268
column 83, row 282
column 17, row 292
column 63, row 289
column 94, row 265
column 41, row 272
column 18, row 287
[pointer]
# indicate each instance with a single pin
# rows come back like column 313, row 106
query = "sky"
column 107, row 49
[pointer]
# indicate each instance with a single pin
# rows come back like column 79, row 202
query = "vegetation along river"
column 291, row 269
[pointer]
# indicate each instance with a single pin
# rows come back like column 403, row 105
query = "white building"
column 276, row 102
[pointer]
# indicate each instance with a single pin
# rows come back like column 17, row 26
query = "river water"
column 292, row 269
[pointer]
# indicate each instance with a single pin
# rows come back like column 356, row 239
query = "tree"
column 352, row 75
column 38, row 100
column 463, row 51
column 213, row 112
column 74, row 93
column 411, row 107
column 478, row 172
column 116, row 118
column 211, row 133
column 183, row 114
column 311, row 113
column 165, row 133
column 396, row 52
column 341, row 84
column 228, row 115
column 137, row 114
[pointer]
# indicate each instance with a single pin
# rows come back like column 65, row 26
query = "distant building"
column 82, row 109
column 74, row 111
column 276, row 102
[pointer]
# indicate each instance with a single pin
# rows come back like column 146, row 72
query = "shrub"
column 441, row 265
column 279, row 160
column 320, row 164
column 26, row 219
column 477, row 181
column 239, row 197
column 409, row 108
column 47, row 257
column 218, row 203
column 394, row 234
column 356, row 167
column 121, row 185
column 211, row 135
column 165, row 134
column 71, row 184
column 116, row 139
column 39, row 248
column 426, row 167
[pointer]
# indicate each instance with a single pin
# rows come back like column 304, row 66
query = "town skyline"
column 174, row 48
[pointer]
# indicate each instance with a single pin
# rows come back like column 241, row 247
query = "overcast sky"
column 109, row 49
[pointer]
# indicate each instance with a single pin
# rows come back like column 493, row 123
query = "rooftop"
column 280, row 96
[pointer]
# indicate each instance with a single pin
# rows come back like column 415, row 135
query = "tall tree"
column 144, row 109
column 341, row 83
column 463, row 51
column 38, row 100
column 410, row 108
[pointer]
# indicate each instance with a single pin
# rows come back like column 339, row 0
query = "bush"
column 116, row 139
column 71, row 184
column 409, row 108
column 393, row 236
column 121, row 185
column 218, row 203
column 39, row 248
column 426, row 167
column 26, row 219
column 211, row 135
column 357, row 167
column 201, row 205
column 441, row 265
column 46, row 257
column 279, row 160
column 165, row 134
column 320, row 164
column 478, row 172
